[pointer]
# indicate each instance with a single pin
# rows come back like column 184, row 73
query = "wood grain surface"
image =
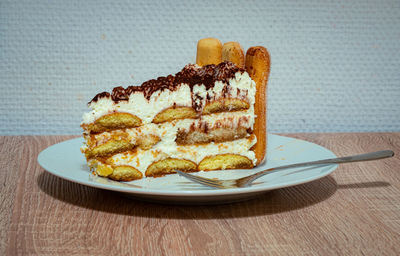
column 353, row 211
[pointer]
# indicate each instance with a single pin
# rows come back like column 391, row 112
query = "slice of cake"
column 201, row 118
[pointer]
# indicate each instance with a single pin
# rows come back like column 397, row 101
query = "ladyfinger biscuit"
column 119, row 173
column 174, row 113
column 233, row 52
column 258, row 67
column 168, row 166
column 125, row 173
column 209, row 51
column 114, row 121
column 225, row 105
column 109, row 148
column 224, row 162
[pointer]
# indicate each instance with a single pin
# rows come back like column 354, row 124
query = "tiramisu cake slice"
column 201, row 118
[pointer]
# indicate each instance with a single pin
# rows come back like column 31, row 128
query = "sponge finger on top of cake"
column 209, row 51
column 233, row 52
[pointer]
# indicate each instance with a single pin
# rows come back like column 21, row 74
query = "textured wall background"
column 335, row 64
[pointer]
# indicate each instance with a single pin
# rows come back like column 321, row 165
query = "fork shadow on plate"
column 272, row 202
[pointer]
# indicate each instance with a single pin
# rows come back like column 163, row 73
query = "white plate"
column 66, row 161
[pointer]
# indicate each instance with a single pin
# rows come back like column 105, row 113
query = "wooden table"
column 354, row 211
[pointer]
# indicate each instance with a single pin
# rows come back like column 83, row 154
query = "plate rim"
column 181, row 193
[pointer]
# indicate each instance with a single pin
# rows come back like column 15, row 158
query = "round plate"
column 66, row 161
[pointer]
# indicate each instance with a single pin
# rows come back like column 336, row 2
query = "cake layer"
column 142, row 159
column 194, row 87
column 199, row 119
column 211, row 128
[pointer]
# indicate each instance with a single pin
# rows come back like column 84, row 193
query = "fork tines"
column 202, row 180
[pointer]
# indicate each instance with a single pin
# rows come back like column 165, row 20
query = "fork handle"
column 340, row 160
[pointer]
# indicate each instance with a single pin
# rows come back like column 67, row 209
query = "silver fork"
column 246, row 181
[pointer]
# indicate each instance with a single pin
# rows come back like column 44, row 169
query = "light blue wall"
column 335, row 64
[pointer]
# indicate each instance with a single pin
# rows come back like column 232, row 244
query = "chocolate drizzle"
column 190, row 74
column 100, row 95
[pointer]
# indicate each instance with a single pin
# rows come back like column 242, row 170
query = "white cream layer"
column 141, row 159
column 241, row 86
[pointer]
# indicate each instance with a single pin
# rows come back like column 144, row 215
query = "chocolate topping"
column 119, row 93
column 100, row 95
column 190, row 74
